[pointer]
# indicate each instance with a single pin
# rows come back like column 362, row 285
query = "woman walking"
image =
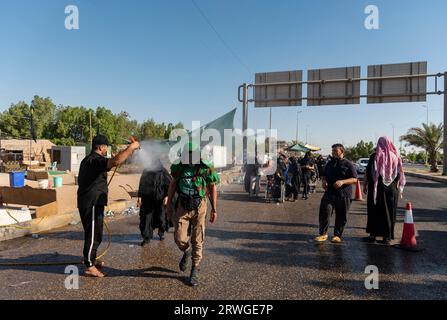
column 384, row 182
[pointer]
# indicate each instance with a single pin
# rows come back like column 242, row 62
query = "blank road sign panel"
column 278, row 95
column 397, row 90
column 332, row 93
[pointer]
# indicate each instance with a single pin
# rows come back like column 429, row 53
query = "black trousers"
column 296, row 181
column 306, row 187
column 294, row 188
column 341, row 207
column 152, row 216
column 92, row 221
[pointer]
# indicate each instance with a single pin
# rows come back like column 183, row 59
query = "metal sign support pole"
column 244, row 121
column 444, row 170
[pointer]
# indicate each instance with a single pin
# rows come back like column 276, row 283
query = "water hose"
column 59, row 263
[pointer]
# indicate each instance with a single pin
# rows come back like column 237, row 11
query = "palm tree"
column 429, row 137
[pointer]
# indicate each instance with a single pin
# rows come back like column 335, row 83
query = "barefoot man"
column 92, row 197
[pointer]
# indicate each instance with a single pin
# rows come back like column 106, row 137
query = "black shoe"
column 161, row 235
column 369, row 239
column 144, row 242
column 184, row 262
column 194, row 278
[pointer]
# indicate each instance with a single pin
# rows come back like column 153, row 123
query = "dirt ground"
column 66, row 195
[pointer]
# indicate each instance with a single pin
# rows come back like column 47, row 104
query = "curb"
column 424, row 176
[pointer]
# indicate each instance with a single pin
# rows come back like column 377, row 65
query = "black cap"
column 100, row 140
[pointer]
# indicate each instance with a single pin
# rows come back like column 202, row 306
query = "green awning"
column 298, row 148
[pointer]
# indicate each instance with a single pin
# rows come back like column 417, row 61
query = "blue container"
column 17, row 179
column 57, row 182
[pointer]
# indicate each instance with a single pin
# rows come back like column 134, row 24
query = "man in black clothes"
column 307, row 166
column 295, row 177
column 321, row 164
column 339, row 176
column 92, row 197
column 152, row 200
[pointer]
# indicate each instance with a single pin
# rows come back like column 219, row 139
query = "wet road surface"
column 254, row 251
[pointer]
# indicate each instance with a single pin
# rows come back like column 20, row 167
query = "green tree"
column 411, row 156
column 14, row 121
column 171, row 127
column 67, row 125
column 71, row 126
column 429, row 137
column 44, row 111
column 361, row 150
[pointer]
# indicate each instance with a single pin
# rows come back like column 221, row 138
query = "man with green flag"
column 193, row 181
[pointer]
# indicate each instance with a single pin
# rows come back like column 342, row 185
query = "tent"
column 312, row 148
column 297, row 148
column 220, row 124
column 302, row 148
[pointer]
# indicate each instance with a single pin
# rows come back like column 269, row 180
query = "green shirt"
column 193, row 180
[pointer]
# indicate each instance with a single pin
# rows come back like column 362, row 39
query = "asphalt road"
column 254, row 251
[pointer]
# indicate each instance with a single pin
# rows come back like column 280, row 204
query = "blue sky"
column 161, row 59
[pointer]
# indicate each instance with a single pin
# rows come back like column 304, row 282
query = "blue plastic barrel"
column 17, row 179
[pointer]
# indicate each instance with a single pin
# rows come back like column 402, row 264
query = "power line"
column 227, row 46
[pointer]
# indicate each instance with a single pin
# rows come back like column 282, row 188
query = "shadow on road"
column 286, row 224
column 242, row 197
column 62, row 261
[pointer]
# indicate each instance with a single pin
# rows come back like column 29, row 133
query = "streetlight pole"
column 297, row 121
column 307, row 127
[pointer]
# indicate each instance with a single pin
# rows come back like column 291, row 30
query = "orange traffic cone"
column 408, row 241
column 358, row 192
column 408, row 234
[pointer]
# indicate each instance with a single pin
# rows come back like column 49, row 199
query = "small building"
column 26, row 150
column 68, row 157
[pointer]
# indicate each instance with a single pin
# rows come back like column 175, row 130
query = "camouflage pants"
column 190, row 227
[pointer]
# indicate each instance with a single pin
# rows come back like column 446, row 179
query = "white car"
column 361, row 165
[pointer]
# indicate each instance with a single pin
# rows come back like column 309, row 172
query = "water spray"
column 131, row 140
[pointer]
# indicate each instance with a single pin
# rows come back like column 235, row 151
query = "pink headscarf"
column 387, row 164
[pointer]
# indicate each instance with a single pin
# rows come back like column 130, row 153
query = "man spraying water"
column 93, row 197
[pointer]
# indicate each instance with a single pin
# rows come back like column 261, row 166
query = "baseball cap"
column 100, row 140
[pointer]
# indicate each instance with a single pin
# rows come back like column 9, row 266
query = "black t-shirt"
column 92, row 181
column 306, row 162
column 339, row 169
column 320, row 165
